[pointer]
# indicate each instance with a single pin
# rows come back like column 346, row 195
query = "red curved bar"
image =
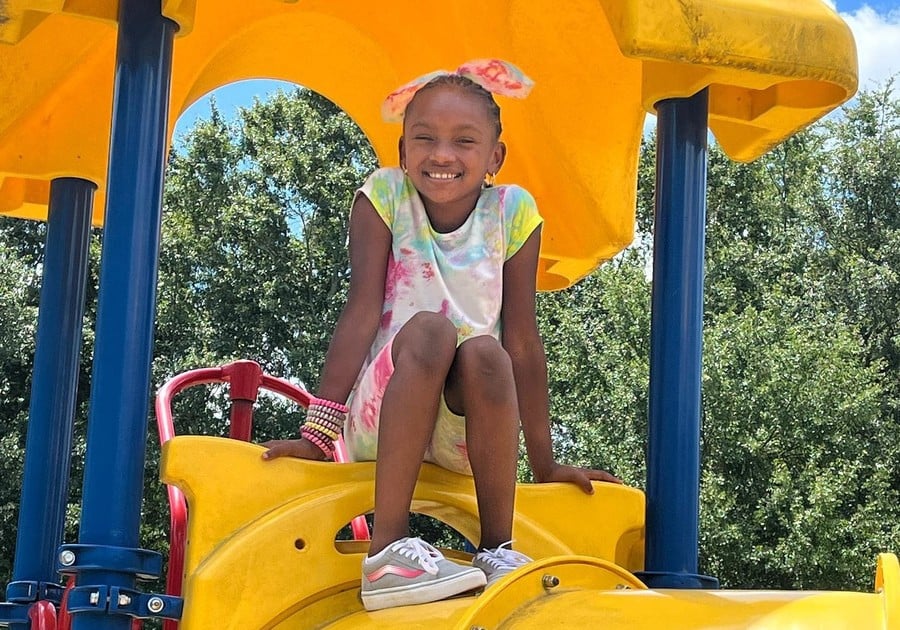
column 174, row 386
column 42, row 615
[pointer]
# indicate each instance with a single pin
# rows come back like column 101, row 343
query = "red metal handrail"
column 42, row 615
column 245, row 379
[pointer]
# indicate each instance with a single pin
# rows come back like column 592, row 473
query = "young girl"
column 438, row 340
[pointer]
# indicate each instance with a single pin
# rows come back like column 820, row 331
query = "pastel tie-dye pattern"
column 458, row 274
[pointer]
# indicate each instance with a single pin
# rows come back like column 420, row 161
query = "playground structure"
column 83, row 137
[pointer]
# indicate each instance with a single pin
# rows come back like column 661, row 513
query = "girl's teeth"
column 441, row 175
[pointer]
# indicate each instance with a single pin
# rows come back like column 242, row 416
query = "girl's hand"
column 302, row 449
column 581, row 477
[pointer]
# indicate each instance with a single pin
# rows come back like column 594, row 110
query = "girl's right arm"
column 370, row 246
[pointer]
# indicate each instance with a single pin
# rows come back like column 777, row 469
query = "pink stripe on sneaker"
column 390, row 569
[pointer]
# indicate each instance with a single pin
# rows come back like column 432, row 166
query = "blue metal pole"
column 53, row 390
column 117, row 423
column 673, row 448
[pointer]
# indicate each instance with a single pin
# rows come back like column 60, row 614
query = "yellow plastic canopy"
column 772, row 67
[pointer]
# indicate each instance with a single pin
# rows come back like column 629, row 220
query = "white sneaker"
column 498, row 562
column 410, row 571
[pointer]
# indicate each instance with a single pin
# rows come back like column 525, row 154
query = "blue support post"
column 108, row 561
column 55, row 383
column 673, row 445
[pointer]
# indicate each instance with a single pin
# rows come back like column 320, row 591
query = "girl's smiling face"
column 449, row 143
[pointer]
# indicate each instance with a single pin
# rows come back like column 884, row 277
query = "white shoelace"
column 502, row 558
column 419, row 551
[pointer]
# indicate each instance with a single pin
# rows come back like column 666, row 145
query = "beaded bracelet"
column 328, row 432
column 328, row 421
column 328, row 404
column 324, row 445
column 324, row 423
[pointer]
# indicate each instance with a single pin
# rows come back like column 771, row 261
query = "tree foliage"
column 254, row 262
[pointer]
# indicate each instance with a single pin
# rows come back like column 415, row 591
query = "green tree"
column 799, row 388
column 795, row 492
column 595, row 336
column 860, row 228
column 253, row 262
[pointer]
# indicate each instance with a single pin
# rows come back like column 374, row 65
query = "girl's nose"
column 442, row 152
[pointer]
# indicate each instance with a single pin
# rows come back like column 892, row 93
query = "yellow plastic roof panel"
column 598, row 65
column 772, row 66
column 56, row 107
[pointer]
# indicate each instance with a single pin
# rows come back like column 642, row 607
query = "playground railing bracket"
column 117, row 600
column 22, row 594
column 26, row 592
column 142, row 564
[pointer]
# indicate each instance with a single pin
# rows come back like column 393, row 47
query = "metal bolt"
column 67, row 558
column 155, row 605
column 477, row 628
column 623, row 587
column 95, row 598
column 124, row 600
column 550, row 581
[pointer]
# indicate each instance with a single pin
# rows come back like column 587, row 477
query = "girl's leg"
column 422, row 352
column 482, row 387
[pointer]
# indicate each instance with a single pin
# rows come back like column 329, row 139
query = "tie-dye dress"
column 458, row 274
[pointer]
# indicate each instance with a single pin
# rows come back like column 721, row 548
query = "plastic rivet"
column 155, row 605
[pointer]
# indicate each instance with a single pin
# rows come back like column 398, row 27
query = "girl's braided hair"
column 472, row 87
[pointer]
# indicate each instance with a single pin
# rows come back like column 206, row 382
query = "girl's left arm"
column 522, row 342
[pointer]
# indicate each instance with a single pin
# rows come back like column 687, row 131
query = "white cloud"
column 877, row 43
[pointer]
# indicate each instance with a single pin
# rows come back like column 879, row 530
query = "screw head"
column 549, row 581
column 67, row 558
column 155, row 605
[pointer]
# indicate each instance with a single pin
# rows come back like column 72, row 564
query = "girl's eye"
column 423, row 138
column 466, row 141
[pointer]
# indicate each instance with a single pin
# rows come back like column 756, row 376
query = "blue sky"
column 875, row 25
column 880, row 6
column 228, row 100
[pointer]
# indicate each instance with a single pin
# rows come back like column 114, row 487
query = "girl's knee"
column 427, row 340
column 482, row 378
column 484, row 358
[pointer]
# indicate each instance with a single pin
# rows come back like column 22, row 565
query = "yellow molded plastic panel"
column 261, row 534
column 772, row 67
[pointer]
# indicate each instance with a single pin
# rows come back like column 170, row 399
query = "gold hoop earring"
column 489, row 179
